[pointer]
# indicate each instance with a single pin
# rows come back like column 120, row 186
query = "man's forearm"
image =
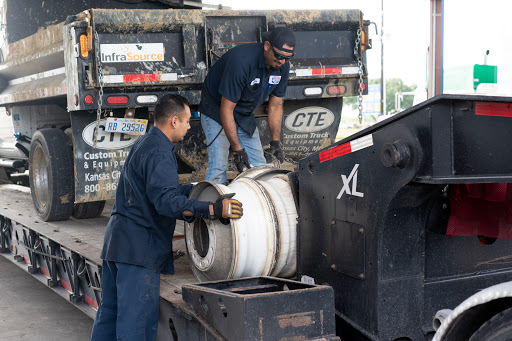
column 275, row 117
column 228, row 123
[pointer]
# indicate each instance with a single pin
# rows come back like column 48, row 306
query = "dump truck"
column 79, row 85
column 401, row 231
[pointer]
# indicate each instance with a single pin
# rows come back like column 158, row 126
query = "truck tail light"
column 84, row 52
column 336, row 90
column 313, row 91
column 117, row 99
column 147, row 99
column 88, row 99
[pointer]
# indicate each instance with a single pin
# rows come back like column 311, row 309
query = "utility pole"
column 382, row 81
column 435, row 67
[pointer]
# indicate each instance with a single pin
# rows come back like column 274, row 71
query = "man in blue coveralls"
column 138, row 240
column 238, row 83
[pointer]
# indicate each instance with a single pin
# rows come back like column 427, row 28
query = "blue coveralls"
column 138, row 240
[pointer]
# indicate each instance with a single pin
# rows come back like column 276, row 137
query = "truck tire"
column 51, row 175
column 498, row 328
column 88, row 209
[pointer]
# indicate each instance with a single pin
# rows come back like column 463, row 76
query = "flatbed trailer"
column 82, row 239
column 400, row 222
column 79, row 242
column 65, row 255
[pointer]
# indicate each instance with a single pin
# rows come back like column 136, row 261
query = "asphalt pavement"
column 30, row 311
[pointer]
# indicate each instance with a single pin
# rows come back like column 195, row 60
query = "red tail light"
column 117, row 100
column 336, row 90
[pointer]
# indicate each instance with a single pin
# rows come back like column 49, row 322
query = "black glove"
column 241, row 160
column 225, row 207
column 276, row 150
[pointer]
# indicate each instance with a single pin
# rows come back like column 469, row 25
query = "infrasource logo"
column 129, row 53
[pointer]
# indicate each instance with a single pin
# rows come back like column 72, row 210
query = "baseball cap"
column 280, row 36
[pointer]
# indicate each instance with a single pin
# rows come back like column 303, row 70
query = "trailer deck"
column 83, row 237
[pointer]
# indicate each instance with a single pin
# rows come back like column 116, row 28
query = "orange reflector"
column 88, row 99
column 336, row 90
column 117, row 100
column 89, row 38
column 83, row 46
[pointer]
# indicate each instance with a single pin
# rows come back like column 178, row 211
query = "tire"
column 498, row 328
column 88, row 209
column 51, row 175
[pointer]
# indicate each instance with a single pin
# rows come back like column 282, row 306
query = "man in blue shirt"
column 137, row 246
column 241, row 80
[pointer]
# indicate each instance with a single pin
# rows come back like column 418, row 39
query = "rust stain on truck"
column 296, row 320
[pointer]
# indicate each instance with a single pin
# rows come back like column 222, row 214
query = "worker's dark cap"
column 280, row 36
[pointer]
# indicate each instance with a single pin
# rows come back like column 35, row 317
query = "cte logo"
column 346, row 184
column 309, row 119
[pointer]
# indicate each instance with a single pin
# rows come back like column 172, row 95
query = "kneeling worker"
column 238, row 83
column 138, row 240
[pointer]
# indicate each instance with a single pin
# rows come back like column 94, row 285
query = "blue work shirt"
column 242, row 77
column 149, row 199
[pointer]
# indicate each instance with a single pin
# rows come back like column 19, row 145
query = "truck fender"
column 471, row 314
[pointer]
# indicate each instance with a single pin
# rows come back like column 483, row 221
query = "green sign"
column 484, row 74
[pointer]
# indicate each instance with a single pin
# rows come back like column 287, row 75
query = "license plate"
column 130, row 126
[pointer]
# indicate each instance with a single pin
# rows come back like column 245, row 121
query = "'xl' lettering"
column 346, row 184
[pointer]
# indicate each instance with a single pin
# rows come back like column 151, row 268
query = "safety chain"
column 100, row 80
column 293, row 162
column 360, row 81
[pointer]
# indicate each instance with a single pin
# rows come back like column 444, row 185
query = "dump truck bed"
column 184, row 45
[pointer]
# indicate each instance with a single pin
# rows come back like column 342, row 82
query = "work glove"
column 241, row 160
column 275, row 150
column 225, row 207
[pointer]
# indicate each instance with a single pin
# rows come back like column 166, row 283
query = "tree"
column 393, row 86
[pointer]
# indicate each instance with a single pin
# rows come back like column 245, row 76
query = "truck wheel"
column 88, row 209
column 51, row 174
column 498, row 328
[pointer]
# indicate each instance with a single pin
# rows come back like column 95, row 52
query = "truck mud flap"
column 308, row 126
column 97, row 169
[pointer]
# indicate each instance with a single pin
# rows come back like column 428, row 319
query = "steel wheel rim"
column 40, row 177
column 262, row 242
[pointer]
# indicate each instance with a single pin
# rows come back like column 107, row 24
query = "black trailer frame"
column 373, row 205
